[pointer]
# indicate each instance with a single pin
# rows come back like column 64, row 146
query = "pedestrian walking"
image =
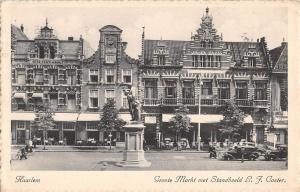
column 34, row 141
column 23, row 153
column 30, row 145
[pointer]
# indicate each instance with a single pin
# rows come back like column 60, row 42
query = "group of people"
column 27, row 149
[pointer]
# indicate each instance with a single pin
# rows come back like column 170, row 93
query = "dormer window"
column 110, row 59
column 195, row 60
column 41, row 52
column 210, row 44
column 251, row 61
column 52, row 52
column 161, row 60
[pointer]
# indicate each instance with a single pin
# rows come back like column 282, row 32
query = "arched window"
column 52, row 52
column 41, row 52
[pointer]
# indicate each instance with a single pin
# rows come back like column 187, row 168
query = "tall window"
column 41, row 52
column 93, row 99
column 210, row 44
column 21, row 77
column 161, row 60
column 206, row 88
column 224, row 90
column 218, row 61
column 209, row 60
column 61, row 99
column 170, row 90
column 252, row 61
column 21, row 125
column 188, row 89
column 127, row 76
column 195, row 60
column 39, row 79
column 260, row 91
column 92, row 125
column 202, row 44
column 94, row 75
column 71, row 77
column 53, row 75
column 241, row 90
column 150, row 89
column 110, row 76
column 124, row 101
column 52, row 52
column 202, row 60
column 109, row 94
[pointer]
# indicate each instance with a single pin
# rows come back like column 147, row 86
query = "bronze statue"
column 133, row 105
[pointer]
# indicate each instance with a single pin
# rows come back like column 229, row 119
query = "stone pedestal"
column 133, row 155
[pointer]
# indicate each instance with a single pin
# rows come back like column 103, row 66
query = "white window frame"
column 96, row 95
column 18, row 123
column 93, row 72
column 106, row 94
column 59, row 94
column 124, row 74
column 108, row 72
column 110, row 58
column 124, row 99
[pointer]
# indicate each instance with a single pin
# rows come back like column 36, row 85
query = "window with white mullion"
column 109, row 94
column 127, row 76
column 110, row 77
column 93, row 101
column 94, row 75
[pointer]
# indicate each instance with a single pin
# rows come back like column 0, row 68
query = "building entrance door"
column 70, row 137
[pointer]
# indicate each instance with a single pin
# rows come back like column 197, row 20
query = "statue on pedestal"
column 133, row 104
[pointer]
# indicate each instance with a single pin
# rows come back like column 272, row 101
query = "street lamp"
column 200, row 83
column 110, row 135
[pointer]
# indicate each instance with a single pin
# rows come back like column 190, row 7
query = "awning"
column 20, row 95
column 280, row 126
column 96, row 117
column 65, row 117
column 23, row 116
column 211, row 118
column 150, row 119
column 37, row 95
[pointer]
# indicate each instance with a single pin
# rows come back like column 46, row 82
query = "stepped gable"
column 174, row 47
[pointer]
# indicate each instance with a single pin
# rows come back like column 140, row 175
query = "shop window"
column 206, row 88
column 110, row 77
column 127, row 73
column 93, row 98
column 224, row 90
column 94, row 75
column 92, row 126
column 241, row 90
column 260, row 91
column 69, row 125
column 151, row 89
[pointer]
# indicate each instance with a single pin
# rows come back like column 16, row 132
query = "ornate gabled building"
column 206, row 67
column 279, row 99
column 44, row 70
column 106, row 74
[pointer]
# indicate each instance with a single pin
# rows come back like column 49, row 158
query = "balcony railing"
column 188, row 101
column 260, row 103
column 151, row 102
column 206, row 102
column 243, row 102
column 222, row 101
column 169, row 101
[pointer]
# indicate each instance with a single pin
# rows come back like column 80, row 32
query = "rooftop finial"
column 143, row 31
column 283, row 40
column 46, row 22
column 207, row 9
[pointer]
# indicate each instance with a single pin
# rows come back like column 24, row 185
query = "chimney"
column 124, row 45
column 22, row 28
column 70, row 38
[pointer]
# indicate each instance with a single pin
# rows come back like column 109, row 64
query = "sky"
column 166, row 22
